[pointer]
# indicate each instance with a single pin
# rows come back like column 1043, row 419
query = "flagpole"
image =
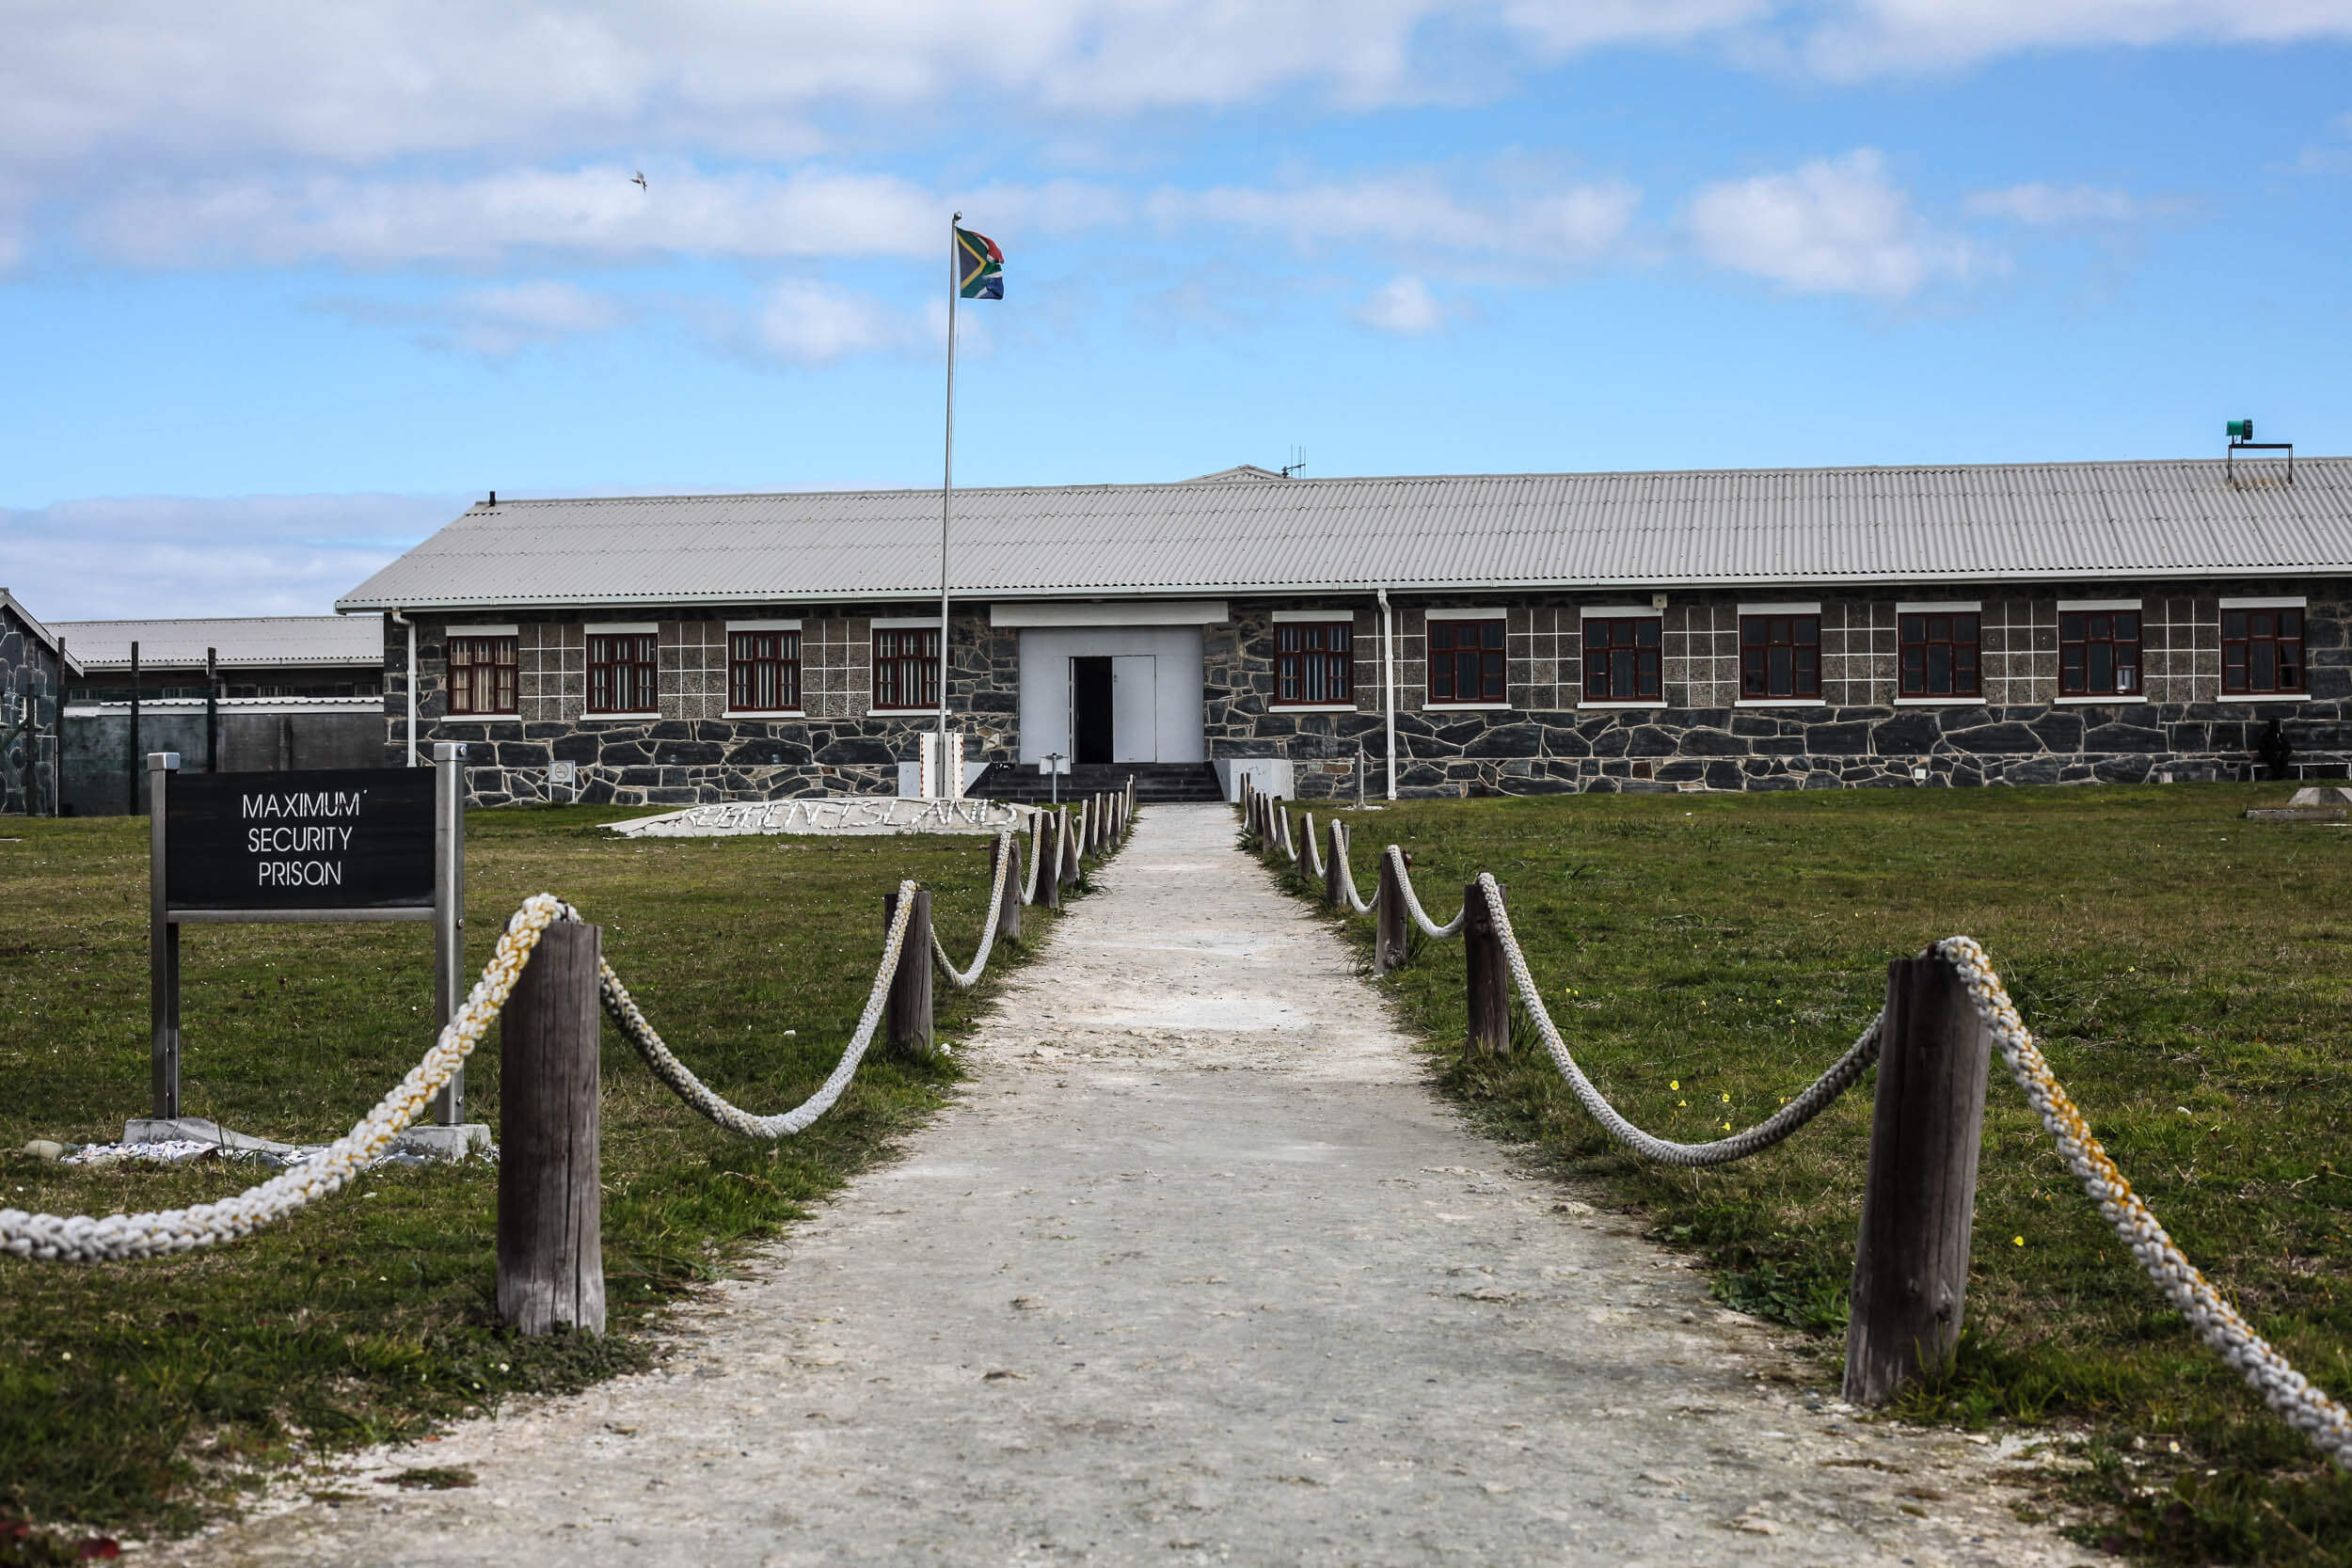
column 946, row 502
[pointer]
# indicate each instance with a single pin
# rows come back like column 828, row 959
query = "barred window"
column 2262, row 650
column 1940, row 655
column 623, row 675
column 764, row 671
column 480, row 674
column 906, row 668
column 1465, row 661
column 1314, row 662
column 1621, row 659
column 1780, row 655
column 2099, row 653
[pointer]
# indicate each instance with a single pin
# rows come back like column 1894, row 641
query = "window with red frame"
column 1940, row 655
column 764, row 671
column 1314, row 662
column 1622, row 660
column 2262, row 650
column 480, row 674
column 1780, row 655
column 906, row 667
column 2099, row 653
column 1465, row 661
column 623, row 675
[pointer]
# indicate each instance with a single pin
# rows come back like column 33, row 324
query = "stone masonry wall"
column 28, row 756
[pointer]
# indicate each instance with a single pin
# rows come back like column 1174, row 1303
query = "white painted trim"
column 1939, row 607
column 231, row 705
column 1814, row 608
column 1315, row 617
column 1945, row 702
column 902, row 712
column 1618, row 612
column 1145, row 613
column 2255, row 698
column 621, row 629
column 476, row 718
column 1428, row 706
column 1656, row 706
column 600, row 718
column 1312, row 707
column 2099, row 702
column 1778, row 702
column 1437, row 612
column 792, row 624
column 2276, row 601
column 906, row 623
column 455, row 628
column 780, row 713
column 2093, row 607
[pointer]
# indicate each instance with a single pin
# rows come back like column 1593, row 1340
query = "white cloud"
column 1858, row 38
column 2046, row 206
column 1404, row 305
column 1835, row 226
column 174, row 556
column 805, row 322
column 1417, row 210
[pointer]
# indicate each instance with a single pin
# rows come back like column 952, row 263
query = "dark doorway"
column 1091, row 709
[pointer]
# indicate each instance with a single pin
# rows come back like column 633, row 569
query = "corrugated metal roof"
column 248, row 642
column 45, row 636
column 1797, row 525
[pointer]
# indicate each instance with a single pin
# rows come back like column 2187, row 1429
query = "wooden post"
column 909, row 1007
column 1007, row 908
column 1334, row 857
column 550, row 1204
column 1069, row 850
column 1919, row 1198
column 1388, row 942
column 1049, row 860
column 1485, row 974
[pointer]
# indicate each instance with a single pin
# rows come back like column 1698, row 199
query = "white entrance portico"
column 1109, row 683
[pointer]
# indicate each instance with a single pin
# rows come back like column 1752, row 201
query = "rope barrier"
column 965, row 979
column 1037, row 837
column 82, row 1239
column 1347, row 875
column 1412, row 901
column 623, row 1011
column 1314, row 850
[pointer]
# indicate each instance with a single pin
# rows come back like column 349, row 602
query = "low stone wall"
column 1747, row 748
column 685, row 762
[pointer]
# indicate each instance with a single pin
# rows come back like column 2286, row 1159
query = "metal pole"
column 163, row 950
column 57, row 755
column 212, row 710
column 449, row 911
column 946, row 502
column 134, row 729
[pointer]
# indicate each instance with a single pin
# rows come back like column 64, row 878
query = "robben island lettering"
column 318, row 838
column 345, row 839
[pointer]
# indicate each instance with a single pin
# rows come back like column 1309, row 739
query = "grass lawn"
column 1707, row 954
column 136, row 1398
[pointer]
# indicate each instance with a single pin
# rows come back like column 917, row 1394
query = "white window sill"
column 1466, row 707
column 2100, row 701
column 1780, row 701
column 1940, row 702
column 1311, row 708
column 476, row 718
column 2266, row 696
column 905, row 713
column 593, row 718
column 1652, row 702
column 777, row 713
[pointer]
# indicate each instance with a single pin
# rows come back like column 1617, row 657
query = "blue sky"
column 283, row 289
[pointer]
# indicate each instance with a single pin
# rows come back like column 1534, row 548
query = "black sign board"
column 337, row 839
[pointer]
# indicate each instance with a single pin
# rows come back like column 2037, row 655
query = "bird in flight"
column 638, row 180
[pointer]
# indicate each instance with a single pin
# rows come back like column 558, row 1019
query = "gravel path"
column 1197, row 1270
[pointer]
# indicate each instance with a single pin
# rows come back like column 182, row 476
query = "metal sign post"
column 342, row 845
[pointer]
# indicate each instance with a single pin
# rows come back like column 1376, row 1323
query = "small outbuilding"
column 34, row 665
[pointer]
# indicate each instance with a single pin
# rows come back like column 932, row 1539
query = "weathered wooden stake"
column 1008, row 906
column 1334, row 856
column 1919, row 1198
column 1049, row 862
column 1387, row 941
column 908, row 1007
column 1486, row 976
column 550, row 1205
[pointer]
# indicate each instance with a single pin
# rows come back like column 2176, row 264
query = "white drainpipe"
column 400, row 620
column 1387, row 683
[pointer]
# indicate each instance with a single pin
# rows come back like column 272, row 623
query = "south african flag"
column 980, row 266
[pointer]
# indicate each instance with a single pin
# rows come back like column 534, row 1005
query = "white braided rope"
column 82, row 1239
column 2281, row 1388
column 1765, row 1133
column 1412, row 900
column 964, row 979
column 1347, row 876
column 1037, row 837
column 622, row 1010
column 1314, row 847
column 1282, row 839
